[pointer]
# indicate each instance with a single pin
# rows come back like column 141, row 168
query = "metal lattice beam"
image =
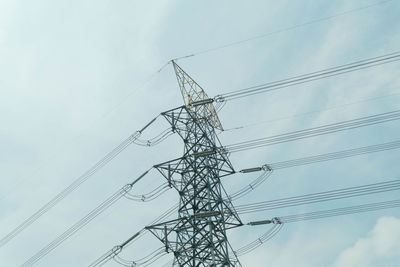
column 198, row 236
column 195, row 98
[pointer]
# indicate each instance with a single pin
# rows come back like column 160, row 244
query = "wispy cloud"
column 381, row 246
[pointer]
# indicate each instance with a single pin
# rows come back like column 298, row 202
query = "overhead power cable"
column 145, row 261
column 280, row 221
column 320, row 197
column 240, row 193
column 82, row 222
column 335, row 155
column 330, row 213
column 253, row 185
column 341, row 211
column 115, row 250
column 236, row 195
column 138, row 89
column 309, row 77
column 155, row 140
column 268, row 168
column 150, row 195
column 165, row 215
column 259, row 241
column 315, row 131
column 363, row 100
column 290, row 28
column 74, row 185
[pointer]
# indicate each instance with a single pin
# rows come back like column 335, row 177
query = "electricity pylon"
column 198, row 236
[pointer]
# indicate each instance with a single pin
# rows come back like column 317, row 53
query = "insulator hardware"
column 202, row 102
column 266, row 167
column 274, row 220
column 126, row 188
column 260, row 222
column 119, row 248
column 204, row 153
column 219, row 98
column 257, row 169
column 147, row 125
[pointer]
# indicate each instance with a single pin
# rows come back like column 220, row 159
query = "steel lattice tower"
column 198, row 236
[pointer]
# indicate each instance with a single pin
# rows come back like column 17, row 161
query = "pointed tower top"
column 192, row 93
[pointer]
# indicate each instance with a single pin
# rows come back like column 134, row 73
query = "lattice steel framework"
column 198, row 236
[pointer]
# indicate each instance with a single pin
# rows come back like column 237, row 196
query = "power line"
column 341, row 211
column 74, row 185
column 84, row 221
column 363, row 100
column 146, row 261
column 290, row 28
column 142, row 86
column 335, row 155
column 156, row 139
column 315, row 131
column 268, row 168
column 110, row 254
column 309, row 77
column 279, row 221
column 114, row 255
column 276, row 228
column 191, row 122
column 253, row 185
column 114, row 251
column 320, row 197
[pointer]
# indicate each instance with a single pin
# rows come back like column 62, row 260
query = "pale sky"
column 78, row 77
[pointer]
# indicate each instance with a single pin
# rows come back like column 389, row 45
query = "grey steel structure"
column 198, row 236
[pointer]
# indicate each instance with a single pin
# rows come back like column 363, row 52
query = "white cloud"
column 380, row 248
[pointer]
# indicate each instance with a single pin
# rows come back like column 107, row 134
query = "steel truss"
column 198, row 236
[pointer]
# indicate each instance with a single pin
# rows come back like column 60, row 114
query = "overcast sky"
column 78, row 77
